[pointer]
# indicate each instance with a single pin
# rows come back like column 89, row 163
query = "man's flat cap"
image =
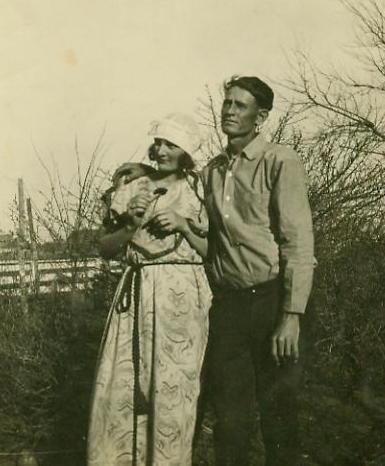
column 263, row 93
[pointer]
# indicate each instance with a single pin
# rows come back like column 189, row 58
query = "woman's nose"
column 162, row 150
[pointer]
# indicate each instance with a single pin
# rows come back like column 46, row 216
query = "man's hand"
column 285, row 339
column 131, row 171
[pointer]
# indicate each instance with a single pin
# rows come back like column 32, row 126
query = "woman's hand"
column 168, row 221
column 136, row 208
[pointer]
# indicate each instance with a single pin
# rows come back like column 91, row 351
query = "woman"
column 148, row 376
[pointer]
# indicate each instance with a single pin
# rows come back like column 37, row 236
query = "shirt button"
column 230, row 174
column 228, row 198
column 226, row 215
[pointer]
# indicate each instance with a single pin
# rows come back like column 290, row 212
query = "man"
column 260, row 265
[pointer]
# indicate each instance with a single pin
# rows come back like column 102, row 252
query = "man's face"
column 240, row 112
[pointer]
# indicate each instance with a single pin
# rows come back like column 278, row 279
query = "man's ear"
column 261, row 116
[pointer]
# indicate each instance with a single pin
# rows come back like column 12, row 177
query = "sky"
column 74, row 69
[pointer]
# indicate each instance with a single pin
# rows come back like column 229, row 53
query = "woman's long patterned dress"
column 168, row 297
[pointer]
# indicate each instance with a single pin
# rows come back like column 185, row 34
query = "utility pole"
column 34, row 258
column 21, row 245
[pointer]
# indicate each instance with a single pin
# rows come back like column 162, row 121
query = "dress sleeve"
column 122, row 196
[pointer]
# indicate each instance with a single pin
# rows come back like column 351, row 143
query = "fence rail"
column 58, row 275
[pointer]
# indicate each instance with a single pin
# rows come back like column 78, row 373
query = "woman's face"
column 167, row 155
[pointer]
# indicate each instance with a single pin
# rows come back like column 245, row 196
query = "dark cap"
column 263, row 93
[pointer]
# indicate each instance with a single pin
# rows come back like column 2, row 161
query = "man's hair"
column 262, row 92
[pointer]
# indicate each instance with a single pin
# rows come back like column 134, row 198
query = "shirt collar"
column 221, row 159
column 255, row 147
column 253, row 150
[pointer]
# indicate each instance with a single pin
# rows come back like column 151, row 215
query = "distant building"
column 8, row 243
column 79, row 244
column 83, row 242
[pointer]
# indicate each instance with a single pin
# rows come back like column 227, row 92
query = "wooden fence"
column 58, row 275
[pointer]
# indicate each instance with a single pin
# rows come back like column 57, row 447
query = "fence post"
column 21, row 245
column 34, row 255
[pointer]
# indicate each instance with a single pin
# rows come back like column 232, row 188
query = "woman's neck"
column 165, row 179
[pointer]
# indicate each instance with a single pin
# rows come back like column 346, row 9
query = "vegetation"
column 47, row 358
column 48, row 355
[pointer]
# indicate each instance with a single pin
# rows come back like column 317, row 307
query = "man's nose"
column 230, row 108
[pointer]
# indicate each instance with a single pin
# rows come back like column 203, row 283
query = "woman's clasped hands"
column 162, row 223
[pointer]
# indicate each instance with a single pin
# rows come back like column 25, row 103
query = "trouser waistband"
column 257, row 290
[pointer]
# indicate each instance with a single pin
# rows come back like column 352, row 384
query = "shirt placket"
column 228, row 197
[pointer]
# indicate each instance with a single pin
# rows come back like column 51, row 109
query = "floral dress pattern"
column 164, row 297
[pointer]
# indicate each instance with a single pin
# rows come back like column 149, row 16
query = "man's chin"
column 233, row 132
column 229, row 130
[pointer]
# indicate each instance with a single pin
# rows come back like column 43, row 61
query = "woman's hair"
column 186, row 162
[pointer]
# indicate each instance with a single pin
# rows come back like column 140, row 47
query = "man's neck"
column 238, row 143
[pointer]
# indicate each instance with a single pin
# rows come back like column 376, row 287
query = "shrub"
column 47, row 361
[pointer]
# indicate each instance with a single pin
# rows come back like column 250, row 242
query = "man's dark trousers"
column 242, row 371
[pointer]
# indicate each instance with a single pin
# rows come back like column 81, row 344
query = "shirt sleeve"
column 294, row 231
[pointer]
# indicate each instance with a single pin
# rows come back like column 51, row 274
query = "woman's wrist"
column 193, row 228
column 130, row 225
column 184, row 227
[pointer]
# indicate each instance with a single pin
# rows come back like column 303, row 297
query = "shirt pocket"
column 253, row 206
